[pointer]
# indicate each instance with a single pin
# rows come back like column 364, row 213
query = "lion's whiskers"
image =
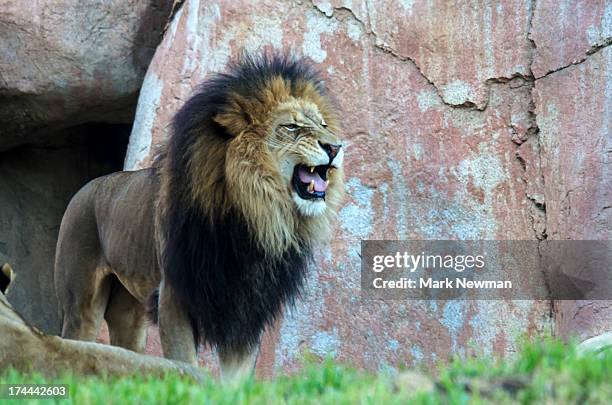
column 287, row 148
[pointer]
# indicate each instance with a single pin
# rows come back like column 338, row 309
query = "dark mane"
column 228, row 285
column 229, row 288
column 245, row 76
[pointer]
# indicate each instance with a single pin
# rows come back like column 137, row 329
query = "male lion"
column 223, row 224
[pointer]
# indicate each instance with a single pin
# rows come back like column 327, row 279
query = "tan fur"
column 107, row 260
column 26, row 349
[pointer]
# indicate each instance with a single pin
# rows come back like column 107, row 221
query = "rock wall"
column 573, row 98
column 463, row 120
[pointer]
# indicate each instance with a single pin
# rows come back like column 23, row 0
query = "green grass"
column 543, row 372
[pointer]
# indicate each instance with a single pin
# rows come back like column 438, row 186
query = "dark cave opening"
column 37, row 182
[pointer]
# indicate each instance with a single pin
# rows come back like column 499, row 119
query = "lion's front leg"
column 175, row 328
column 238, row 364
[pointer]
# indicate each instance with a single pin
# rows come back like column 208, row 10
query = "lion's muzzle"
column 311, row 182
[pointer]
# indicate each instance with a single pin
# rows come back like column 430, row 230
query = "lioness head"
column 271, row 149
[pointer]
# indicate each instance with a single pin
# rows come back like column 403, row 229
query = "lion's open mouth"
column 310, row 182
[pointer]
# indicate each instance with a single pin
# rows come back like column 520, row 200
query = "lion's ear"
column 237, row 116
column 6, row 277
column 232, row 122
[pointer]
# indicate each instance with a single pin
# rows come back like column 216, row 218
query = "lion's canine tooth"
column 311, row 169
column 311, row 186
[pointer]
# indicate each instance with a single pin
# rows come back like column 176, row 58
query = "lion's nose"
column 330, row 149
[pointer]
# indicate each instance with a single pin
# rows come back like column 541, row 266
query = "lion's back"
column 111, row 220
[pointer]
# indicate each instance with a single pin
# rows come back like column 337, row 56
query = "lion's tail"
column 153, row 306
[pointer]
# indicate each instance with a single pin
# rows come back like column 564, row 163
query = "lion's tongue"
column 306, row 177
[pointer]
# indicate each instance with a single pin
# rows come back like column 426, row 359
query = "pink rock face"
column 457, row 46
column 68, row 62
column 440, row 144
column 566, row 31
column 574, row 114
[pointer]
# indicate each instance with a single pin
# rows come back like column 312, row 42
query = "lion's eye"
column 291, row 127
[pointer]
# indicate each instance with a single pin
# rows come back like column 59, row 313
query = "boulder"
column 69, row 62
column 598, row 344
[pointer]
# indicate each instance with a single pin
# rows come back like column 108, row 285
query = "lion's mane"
column 233, row 248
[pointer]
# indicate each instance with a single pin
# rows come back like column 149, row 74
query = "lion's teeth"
column 311, row 169
column 311, row 186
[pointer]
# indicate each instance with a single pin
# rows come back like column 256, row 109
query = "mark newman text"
column 447, row 283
